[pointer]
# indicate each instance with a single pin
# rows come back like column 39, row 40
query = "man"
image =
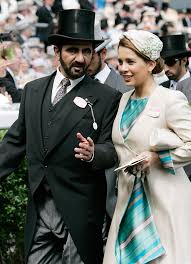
column 186, row 20
column 100, row 71
column 25, row 31
column 45, row 25
column 7, row 83
column 124, row 17
column 185, row 88
column 175, row 58
column 64, row 127
column 8, row 86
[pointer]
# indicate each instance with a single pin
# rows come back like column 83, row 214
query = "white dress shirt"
column 57, row 83
column 103, row 74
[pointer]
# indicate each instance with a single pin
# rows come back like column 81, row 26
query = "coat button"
column 45, row 166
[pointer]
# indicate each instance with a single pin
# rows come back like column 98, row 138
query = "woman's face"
column 133, row 68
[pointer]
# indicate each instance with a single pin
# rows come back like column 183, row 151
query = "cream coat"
column 169, row 195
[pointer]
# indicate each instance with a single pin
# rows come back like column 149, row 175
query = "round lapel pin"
column 80, row 102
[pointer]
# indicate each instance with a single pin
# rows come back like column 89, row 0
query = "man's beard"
column 98, row 69
column 171, row 77
column 70, row 72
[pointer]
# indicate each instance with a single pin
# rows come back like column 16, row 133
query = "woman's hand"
column 85, row 150
column 150, row 159
column 143, row 166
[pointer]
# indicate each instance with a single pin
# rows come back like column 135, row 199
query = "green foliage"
column 13, row 199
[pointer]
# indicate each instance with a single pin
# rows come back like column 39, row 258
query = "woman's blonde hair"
column 124, row 42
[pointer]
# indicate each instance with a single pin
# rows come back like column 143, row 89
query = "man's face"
column 75, row 58
column 95, row 65
column 49, row 2
column 174, row 68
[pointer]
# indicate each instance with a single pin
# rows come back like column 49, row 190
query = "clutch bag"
column 130, row 163
column 164, row 139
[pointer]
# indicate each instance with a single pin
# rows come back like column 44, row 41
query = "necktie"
column 96, row 79
column 61, row 92
column 138, row 241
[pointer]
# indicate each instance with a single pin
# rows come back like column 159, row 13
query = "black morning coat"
column 78, row 187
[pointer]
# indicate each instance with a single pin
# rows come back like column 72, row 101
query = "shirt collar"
column 48, row 7
column 59, row 77
column 173, row 83
column 103, row 74
column 187, row 75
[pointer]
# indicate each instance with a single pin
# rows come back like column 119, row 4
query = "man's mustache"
column 76, row 64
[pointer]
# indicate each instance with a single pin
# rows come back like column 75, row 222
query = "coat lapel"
column 70, row 114
column 166, row 84
column 151, row 109
column 123, row 103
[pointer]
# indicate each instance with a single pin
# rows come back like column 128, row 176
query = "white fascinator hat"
column 146, row 42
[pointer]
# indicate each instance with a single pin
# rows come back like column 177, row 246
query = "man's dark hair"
column 164, row 6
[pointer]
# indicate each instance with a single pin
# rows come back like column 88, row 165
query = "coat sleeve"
column 13, row 91
column 185, row 87
column 179, row 86
column 105, row 155
column 13, row 145
column 178, row 116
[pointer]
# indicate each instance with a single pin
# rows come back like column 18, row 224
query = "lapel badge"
column 80, row 102
column 154, row 112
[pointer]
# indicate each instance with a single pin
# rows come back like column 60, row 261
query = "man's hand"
column 6, row 94
column 85, row 150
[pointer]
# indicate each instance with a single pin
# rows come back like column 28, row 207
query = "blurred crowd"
column 28, row 55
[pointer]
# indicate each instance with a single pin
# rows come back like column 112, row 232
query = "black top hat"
column 174, row 46
column 74, row 24
column 104, row 23
column 188, row 11
column 126, row 8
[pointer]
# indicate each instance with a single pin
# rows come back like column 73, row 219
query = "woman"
column 158, row 188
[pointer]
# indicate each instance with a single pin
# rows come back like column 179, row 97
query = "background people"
column 175, row 57
column 45, row 20
column 185, row 87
